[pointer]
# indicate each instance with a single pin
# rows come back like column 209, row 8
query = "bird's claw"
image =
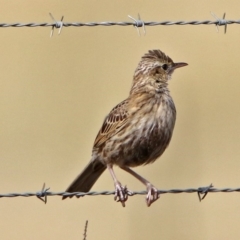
column 121, row 194
column 152, row 195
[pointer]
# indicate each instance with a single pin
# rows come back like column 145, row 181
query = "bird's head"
column 153, row 72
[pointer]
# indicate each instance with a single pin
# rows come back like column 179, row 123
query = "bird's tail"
column 86, row 179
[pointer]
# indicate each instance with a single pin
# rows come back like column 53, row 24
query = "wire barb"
column 138, row 23
column 43, row 194
column 204, row 191
column 85, row 231
column 220, row 22
column 57, row 24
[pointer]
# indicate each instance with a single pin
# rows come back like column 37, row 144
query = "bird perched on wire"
column 137, row 131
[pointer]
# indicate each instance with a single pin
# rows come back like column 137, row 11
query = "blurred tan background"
column 55, row 93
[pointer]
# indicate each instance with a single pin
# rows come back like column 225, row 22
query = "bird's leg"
column 152, row 192
column 121, row 193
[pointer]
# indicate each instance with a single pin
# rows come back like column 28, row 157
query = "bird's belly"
column 141, row 143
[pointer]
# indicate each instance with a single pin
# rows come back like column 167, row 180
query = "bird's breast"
column 145, row 136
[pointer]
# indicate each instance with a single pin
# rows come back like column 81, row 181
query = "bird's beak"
column 178, row 65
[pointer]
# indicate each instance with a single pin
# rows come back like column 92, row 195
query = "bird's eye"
column 157, row 81
column 164, row 66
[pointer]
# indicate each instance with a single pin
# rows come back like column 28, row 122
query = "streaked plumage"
column 138, row 130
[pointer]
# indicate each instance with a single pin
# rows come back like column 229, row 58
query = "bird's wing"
column 113, row 123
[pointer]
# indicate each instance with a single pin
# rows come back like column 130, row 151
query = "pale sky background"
column 56, row 92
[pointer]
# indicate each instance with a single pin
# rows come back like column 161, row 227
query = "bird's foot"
column 152, row 195
column 121, row 193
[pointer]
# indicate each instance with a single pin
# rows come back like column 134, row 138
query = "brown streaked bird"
column 137, row 131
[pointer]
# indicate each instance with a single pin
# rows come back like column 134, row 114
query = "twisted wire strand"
column 44, row 193
column 95, row 24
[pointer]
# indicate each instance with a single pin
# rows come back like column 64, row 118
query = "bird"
column 136, row 131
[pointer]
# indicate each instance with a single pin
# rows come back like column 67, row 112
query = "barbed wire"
column 44, row 193
column 137, row 23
